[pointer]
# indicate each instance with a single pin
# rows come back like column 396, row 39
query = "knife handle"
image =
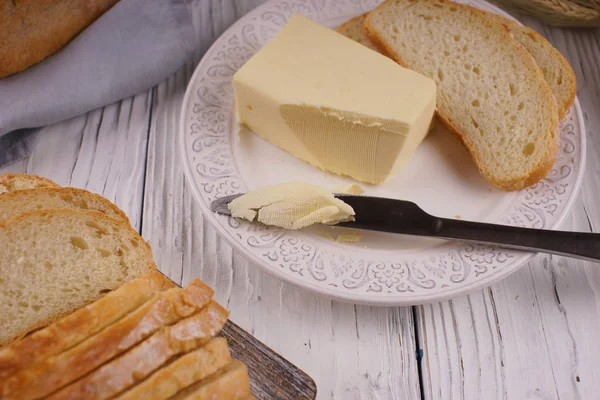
column 405, row 217
column 574, row 244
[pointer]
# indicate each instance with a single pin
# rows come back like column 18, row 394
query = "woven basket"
column 558, row 12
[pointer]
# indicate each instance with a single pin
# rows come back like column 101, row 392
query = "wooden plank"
column 271, row 376
column 351, row 352
column 103, row 151
column 529, row 336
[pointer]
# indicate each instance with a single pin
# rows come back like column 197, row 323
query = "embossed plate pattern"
column 217, row 163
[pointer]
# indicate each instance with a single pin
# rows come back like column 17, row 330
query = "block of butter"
column 334, row 103
column 291, row 205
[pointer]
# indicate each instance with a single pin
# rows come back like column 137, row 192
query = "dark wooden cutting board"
column 271, row 376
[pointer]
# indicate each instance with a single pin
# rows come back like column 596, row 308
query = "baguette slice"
column 12, row 182
column 353, row 29
column 21, row 201
column 81, row 324
column 491, row 93
column 182, row 372
column 51, row 374
column 556, row 69
column 54, row 262
column 229, row 383
column 135, row 365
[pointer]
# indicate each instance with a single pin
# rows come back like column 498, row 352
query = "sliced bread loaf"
column 556, row 69
column 54, row 262
column 353, row 29
column 12, row 182
column 48, row 375
column 142, row 360
column 182, row 372
column 71, row 330
column 491, row 93
column 230, row 382
column 21, row 201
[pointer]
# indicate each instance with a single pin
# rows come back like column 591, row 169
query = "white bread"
column 556, row 69
column 229, row 383
column 78, row 326
column 491, row 93
column 164, row 308
column 182, row 372
column 353, row 29
column 54, row 262
column 12, row 182
column 139, row 362
column 48, row 198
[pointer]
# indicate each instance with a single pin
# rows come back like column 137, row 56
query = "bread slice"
column 54, row 262
column 12, row 182
column 139, row 362
column 491, row 93
column 556, row 69
column 182, row 372
column 78, row 326
column 51, row 374
column 353, row 29
column 22, row 201
column 230, row 383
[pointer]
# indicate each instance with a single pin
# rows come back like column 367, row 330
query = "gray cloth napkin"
column 132, row 47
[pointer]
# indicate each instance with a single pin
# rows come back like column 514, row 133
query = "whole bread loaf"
column 31, row 30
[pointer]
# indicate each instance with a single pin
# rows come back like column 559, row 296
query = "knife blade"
column 405, row 217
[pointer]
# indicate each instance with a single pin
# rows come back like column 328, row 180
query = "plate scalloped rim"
column 348, row 275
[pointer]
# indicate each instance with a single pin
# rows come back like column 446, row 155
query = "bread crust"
column 8, row 180
column 135, row 365
column 570, row 79
column 31, row 30
column 79, row 194
column 76, row 327
column 49, row 375
column 231, row 382
column 540, row 170
column 357, row 21
column 182, row 372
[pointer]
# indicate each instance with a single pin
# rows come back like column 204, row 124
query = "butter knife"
column 405, row 217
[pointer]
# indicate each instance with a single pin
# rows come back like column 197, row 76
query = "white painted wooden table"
column 534, row 335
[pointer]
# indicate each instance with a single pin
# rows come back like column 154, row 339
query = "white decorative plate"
column 382, row 269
